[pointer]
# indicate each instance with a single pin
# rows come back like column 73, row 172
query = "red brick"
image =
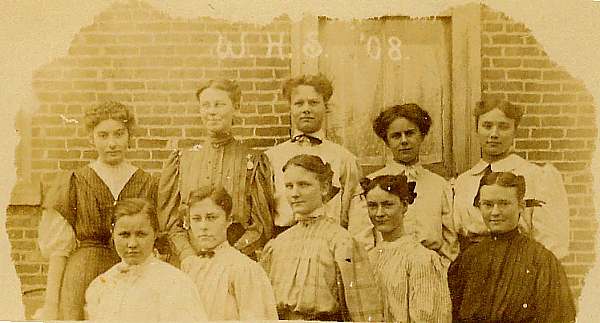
column 238, row 62
column 15, row 234
column 272, row 131
column 256, row 73
column 154, row 27
column 545, row 155
column 524, row 74
column 89, row 85
column 567, row 144
column 152, row 143
column 46, row 120
column 258, row 97
column 117, row 74
column 519, row 28
column 503, row 39
column 493, row 27
column 135, row 39
column 128, row 85
column 586, row 121
column 532, row 144
column 188, row 143
column 151, row 74
column 261, row 120
column 575, row 189
column 586, row 178
column 165, row 132
column 179, row 97
column 110, row 96
column 265, row 109
column 524, row 98
column 570, row 166
column 48, row 74
column 90, row 154
column 160, row 154
column 187, row 120
column 242, row 132
column 506, row 86
column 52, row 85
column 137, row 154
column 200, row 61
column 221, row 73
column 195, row 132
column 72, row 164
column 172, row 38
column 275, row 62
column 542, row 87
column 585, row 257
column 78, row 97
column 537, row 63
column 163, row 85
column 547, row 133
column 139, row 132
column 506, row 62
column 94, row 62
column 59, row 132
column 582, row 133
column 48, row 97
column 558, row 121
column 64, row 154
column 573, row 87
column 521, row 51
column 559, row 98
column 84, row 50
column 148, row 164
column 150, row 97
column 262, row 142
column 578, row 155
column 556, row 75
column 193, row 50
column 585, row 97
column 285, row 120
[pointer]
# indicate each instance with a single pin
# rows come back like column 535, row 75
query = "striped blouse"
column 412, row 281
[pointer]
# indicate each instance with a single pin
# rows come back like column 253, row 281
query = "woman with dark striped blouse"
column 412, row 279
column 74, row 231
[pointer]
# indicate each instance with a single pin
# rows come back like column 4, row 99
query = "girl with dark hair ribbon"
column 412, row 279
column 74, row 231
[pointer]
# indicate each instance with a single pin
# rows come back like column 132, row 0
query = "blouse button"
column 527, row 271
column 525, row 305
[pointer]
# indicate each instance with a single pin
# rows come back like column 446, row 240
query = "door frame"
column 466, row 74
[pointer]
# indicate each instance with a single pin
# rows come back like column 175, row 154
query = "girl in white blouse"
column 141, row 287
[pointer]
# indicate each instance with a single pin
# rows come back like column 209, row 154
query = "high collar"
column 220, row 140
column 411, row 171
column 505, row 235
column 125, row 268
column 320, row 134
column 219, row 248
column 507, row 164
column 313, row 216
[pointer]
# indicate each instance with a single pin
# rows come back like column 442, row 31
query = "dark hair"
column 319, row 82
column 217, row 194
column 409, row 111
column 229, row 86
column 511, row 111
column 135, row 206
column 313, row 164
column 504, row 179
column 110, row 110
column 394, row 184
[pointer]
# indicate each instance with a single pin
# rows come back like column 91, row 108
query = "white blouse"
column 548, row 224
column 153, row 291
column 232, row 286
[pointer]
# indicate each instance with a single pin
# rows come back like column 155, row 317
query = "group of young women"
column 101, row 223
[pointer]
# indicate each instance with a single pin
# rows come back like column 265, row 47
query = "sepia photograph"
column 397, row 162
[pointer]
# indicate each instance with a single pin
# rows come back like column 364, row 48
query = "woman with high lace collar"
column 318, row 271
column 141, row 287
column 223, row 161
column 412, row 279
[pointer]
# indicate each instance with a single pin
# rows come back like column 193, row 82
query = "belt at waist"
column 93, row 244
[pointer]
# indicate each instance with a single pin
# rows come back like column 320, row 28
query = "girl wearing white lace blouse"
column 141, row 287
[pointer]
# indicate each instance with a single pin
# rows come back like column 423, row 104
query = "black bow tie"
column 206, row 253
column 311, row 139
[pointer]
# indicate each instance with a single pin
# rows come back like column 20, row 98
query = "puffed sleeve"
column 553, row 298
column 180, row 301
column 429, row 297
column 253, row 294
column 55, row 236
column 360, row 292
column 551, row 220
column 93, row 295
column 261, row 205
column 168, row 207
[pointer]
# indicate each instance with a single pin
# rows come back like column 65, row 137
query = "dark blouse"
column 509, row 278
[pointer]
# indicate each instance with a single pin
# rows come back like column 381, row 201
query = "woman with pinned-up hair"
column 317, row 270
column 74, row 231
column 546, row 216
column 221, row 161
column 412, row 279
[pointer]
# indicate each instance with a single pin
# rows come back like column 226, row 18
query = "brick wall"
column 559, row 125
column 139, row 56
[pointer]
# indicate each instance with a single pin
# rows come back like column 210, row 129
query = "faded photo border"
column 33, row 33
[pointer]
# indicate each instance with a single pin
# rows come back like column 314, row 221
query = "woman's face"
column 496, row 133
column 111, row 140
column 404, row 139
column 216, row 110
column 134, row 237
column 307, row 109
column 386, row 210
column 303, row 190
column 208, row 224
